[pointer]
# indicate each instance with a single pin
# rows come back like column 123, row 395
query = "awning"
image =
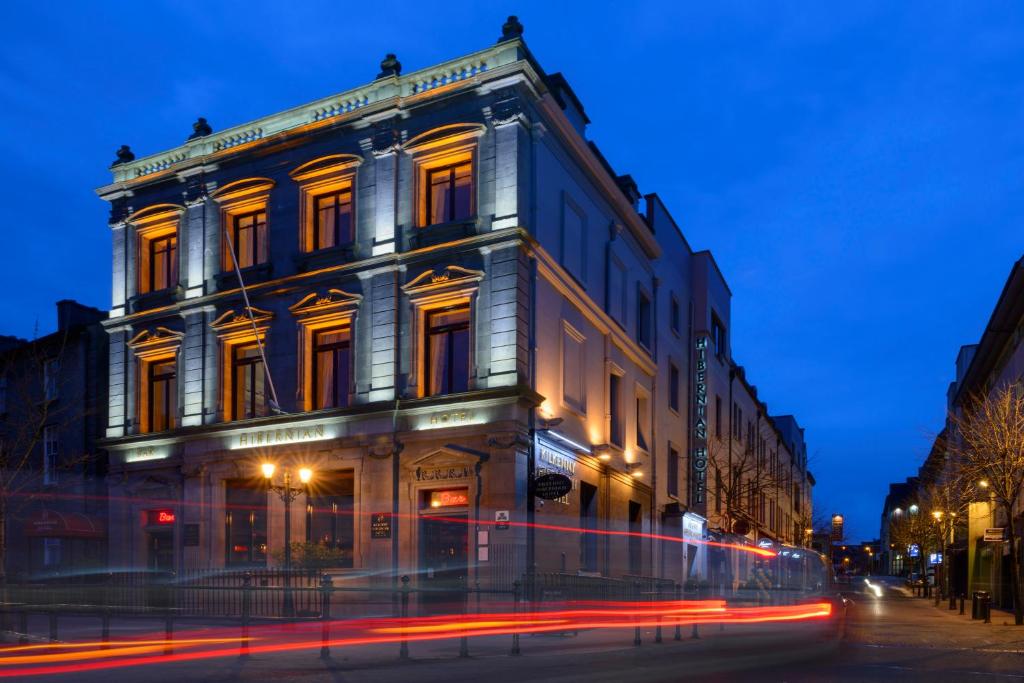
column 53, row 524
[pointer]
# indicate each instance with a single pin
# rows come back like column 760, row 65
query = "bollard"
column 464, row 641
column 636, row 603
column 53, row 626
column 243, row 643
column 168, row 634
column 679, row 627
column 961, row 604
column 105, row 629
column 515, row 612
column 326, row 587
column 403, row 649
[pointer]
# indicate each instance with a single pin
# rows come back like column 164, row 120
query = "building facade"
column 448, row 293
column 52, row 476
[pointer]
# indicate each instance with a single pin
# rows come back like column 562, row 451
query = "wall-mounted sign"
column 501, row 519
column 281, row 436
column 442, row 473
column 143, row 453
column 741, row 527
column 693, row 525
column 556, row 460
column 380, row 525
column 449, row 498
column 160, row 517
column 551, row 485
column 699, row 455
column 190, row 535
column 448, row 418
column 994, row 535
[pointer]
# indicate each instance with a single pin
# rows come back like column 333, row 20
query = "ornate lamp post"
column 287, row 493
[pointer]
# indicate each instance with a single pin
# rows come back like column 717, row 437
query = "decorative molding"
column 230, row 320
column 245, row 189
column 316, row 304
column 332, row 164
column 155, row 213
column 158, row 336
column 451, row 277
column 452, row 133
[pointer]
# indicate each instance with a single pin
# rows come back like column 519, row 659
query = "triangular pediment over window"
column 232, row 320
column 449, row 277
column 334, row 300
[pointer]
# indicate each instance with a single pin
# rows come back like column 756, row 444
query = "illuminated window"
column 162, row 389
column 248, row 382
column 332, row 362
column 449, row 193
column 329, row 515
column 245, row 521
column 447, row 350
column 332, row 219
column 249, row 238
column 163, row 262
column 157, row 247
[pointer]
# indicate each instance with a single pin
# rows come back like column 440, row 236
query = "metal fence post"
column 679, row 599
column 695, row 633
column 243, row 645
column 168, row 633
column 656, row 597
column 326, row 588
column 403, row 650
column 464, row 641
column 636, row 605
column 515, row 617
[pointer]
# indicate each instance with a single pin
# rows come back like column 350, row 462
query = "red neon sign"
column 449, row 498
column 160, row 516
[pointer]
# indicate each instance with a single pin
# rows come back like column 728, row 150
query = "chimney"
column 70, row 313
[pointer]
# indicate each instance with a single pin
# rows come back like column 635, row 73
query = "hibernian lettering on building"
column 699, row 456
column 280, row 436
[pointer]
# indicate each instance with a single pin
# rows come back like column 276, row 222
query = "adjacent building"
column 421, row 294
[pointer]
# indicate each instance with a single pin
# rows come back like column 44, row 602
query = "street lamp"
column 287, row 493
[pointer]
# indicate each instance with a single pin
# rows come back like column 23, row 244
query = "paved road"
column 892, row 637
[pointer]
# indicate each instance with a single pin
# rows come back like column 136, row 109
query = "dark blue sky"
column 856, row 168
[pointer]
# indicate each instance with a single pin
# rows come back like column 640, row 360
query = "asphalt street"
column 888, row 637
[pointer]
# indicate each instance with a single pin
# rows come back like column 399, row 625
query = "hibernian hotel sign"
column 280, row 436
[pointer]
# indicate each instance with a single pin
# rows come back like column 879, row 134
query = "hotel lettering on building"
column 450, row 292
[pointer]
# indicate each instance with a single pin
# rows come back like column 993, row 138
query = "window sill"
column 251, row 275
column 439, row 233
column 321, row 258
column 157, row 299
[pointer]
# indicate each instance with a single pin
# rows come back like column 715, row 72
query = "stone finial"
column 390, row 66
column 511, row 29
column 200, row 129
column 124, row 155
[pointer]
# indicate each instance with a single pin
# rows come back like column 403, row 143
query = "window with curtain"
column 447, row 350
column 332, row 219
column 163, row 262
column 329, row 511
column 248, row 382
column 249, row 235
column 332, row 362
column 449, row 193
column 245, row 518
column 163, row 394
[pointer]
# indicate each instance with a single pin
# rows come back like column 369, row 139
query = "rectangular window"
column 51, row 455
column 447, row 350
column 329, row 512
column 673, row 472
column 573, row 370
column 718, row 336
column 163, row 395
column 643, row 318
column 248, row 381
column 332, row 367
column 332, row 219
column 674, row 314
column 573, row 239
column 615, row 409
column 643, row 422
column 450, row 193
column 51, row 552
column 245, row 519
column 249, row 235
column 51, row 377
column 163, row 262
column 718, row 416
column 636, row 526
column 588, row 526
column 673, row 387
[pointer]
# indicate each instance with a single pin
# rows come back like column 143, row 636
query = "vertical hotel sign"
column 699, row 455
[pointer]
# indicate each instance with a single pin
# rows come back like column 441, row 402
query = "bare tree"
column 989, row 447
column 739, row 479
column 912, row 528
